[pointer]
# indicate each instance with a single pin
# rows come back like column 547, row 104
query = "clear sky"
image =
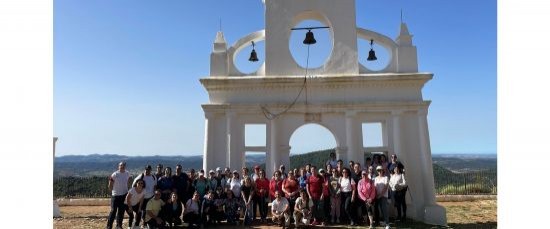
column 126, row 72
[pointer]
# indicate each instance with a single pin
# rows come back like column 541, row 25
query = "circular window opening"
column 241, row 59
column 318, row 52
column 382, row 55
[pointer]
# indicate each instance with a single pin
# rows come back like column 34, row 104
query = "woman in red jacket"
column 262, row 193
column 276, row 184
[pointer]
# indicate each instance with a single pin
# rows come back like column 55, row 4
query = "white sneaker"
column 387, row 226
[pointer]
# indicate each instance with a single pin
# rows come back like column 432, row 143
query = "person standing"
column 367, row 193
column 118, row 185
column 276, row 184
column 160, row 171
column 332, row 160
column 290, row 188
column 283, row 173
column 335, row 201
column 180, row 184
column 381, row 183
column 165, row 184
column 262, row 193
column 399, row 186
column 247, row 193
column 314, row 189
column 348, row 192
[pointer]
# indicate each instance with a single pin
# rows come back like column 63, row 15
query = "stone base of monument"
column 435, row 215
column 56, row 211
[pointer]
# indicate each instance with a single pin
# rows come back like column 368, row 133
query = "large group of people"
column 306, row 196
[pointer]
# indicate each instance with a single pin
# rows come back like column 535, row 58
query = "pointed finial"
column 401, row 15
column 220, row 24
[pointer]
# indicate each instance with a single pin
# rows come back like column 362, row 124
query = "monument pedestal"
column 56, row 211
column 436, row 215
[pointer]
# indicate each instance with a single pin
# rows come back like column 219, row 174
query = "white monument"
column 342, row 95
column 56, row 211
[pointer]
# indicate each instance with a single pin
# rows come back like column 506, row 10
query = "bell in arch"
column 310, row 39
column 253, row 54
column 372, row 54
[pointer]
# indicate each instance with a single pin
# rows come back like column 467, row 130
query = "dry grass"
column 472, row 214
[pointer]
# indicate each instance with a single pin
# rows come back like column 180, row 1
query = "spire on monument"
column 404, row 38
column 219, row 44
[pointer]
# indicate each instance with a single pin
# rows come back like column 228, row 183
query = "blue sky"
column 126, row 72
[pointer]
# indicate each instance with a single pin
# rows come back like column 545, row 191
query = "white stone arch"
column 238, row 46
column 323, row 126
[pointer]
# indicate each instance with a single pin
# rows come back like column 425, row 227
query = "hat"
column 257, row 167
column 211, row 171
column 379, row 167
column 219, row 169
column 148, row 167
column 321, row 170
column 235, row 171
column 201, row 174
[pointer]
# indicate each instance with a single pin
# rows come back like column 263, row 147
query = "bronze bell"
column 253, row 56
column 372, row 55
column 309, row 38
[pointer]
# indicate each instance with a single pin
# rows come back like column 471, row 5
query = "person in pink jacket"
column 367, row 193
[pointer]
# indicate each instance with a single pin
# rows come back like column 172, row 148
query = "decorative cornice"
column 251, row 83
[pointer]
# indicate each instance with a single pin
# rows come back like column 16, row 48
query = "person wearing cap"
column 150, row 186
column 381, row 184
column 212, row 182
column 181, row 184
column 118, row 185
column 234, row 184
column 314, row 187
column 367, row 193
column 255, row 174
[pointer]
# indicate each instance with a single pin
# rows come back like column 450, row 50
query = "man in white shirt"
column 118, row 185
column 280, row 210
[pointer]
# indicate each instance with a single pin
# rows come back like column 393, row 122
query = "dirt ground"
column 474, row 214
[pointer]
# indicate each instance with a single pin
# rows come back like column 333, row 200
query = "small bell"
column 253, row 54
column 372, row 55
column 309, row 38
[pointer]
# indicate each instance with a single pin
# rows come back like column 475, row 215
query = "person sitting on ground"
column 152, row 216
column 191, row 214
column 280, row 210
column 172, row 210
column 302, row 211
column 150, row 184
column 134, row 202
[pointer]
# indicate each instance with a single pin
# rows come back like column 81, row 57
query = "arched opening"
column 241, row 59
column 383, row 56
column 311, row 143
column 318, row 52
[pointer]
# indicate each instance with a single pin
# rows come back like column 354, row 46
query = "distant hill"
column 105, row 164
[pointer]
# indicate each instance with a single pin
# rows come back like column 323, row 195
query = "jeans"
column 335, row 207
column 382, row 204
column 130, row 211
column 346, row 199
column 249, row 212
column 263, row 207
column 117, row 209
column 317, row 210
column 400, row 204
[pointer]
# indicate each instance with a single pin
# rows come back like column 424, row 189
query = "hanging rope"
column 269, row 115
